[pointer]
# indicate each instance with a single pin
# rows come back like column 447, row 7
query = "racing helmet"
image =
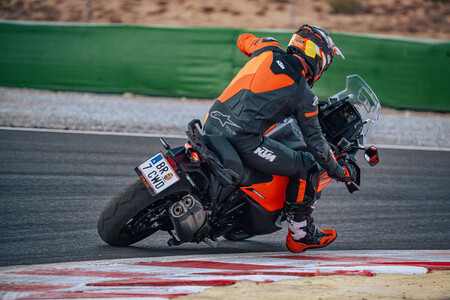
column 316, row 47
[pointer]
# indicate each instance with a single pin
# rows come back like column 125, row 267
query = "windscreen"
column 361, row 96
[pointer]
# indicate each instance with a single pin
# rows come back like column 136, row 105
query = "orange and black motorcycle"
column 201, row 191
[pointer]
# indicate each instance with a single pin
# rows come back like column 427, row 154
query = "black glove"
column 338, row 173
column 350, row 172
column 345, row 171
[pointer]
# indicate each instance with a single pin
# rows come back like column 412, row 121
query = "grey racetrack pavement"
column 54, row 185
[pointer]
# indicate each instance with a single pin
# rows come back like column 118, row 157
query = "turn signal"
column 195, row 157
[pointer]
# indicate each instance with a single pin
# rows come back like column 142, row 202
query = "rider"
column 273, row 85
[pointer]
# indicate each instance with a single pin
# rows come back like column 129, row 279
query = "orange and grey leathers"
column 269, row 88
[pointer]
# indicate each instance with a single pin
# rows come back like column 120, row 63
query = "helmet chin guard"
column 316, row 47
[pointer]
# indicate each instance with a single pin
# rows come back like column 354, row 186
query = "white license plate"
column 157, row 174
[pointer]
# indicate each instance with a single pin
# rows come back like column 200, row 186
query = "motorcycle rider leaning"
column 273, row 85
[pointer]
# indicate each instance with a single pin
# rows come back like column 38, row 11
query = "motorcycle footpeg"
column 173, row 242
column 212, row 243
column 280, row 219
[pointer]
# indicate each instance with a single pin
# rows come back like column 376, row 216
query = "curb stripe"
column 20, row 287
column 167, row 282
column 83, row 273
column 169, row 278
column 295, row 274
column 84, row 295
column 344, row 258
column 430, row 265
column 198, row 264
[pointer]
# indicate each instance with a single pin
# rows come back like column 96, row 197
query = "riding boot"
column 303, row 234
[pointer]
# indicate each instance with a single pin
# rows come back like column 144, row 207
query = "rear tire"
column 128, row 204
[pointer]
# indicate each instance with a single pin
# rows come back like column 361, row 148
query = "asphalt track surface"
column 54, row 185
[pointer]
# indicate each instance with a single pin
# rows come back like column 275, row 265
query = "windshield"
column 361, row 96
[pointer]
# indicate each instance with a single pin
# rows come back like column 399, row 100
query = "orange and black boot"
column 302, row 233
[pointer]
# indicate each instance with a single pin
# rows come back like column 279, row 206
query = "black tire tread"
column 127, row 204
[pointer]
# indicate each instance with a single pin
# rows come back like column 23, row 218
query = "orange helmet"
column 316, row 47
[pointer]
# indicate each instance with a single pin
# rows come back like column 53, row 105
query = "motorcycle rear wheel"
column 135, row 208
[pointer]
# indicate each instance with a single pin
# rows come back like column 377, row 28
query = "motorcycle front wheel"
column 134, row 214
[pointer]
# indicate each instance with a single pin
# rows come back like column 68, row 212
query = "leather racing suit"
column 269, row 88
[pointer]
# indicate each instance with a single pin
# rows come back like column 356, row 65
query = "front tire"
column 132, row 205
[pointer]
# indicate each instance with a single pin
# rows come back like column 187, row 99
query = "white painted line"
column 181, row 136
column 112, row 133
column 406, row 147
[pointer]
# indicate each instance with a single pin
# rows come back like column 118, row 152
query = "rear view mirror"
column 371, row 155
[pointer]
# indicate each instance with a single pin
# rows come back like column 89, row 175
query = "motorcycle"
column 202, row 191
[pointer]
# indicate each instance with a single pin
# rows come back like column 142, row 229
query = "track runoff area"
column 173, row 277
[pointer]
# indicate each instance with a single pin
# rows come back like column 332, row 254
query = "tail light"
column 193, row 155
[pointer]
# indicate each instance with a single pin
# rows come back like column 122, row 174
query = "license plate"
column 157, row 174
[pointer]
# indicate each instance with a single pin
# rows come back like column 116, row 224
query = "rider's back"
column 267, row 89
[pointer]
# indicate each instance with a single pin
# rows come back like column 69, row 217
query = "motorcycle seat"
column 252, row 176
column 230, row 159
column 226, row 153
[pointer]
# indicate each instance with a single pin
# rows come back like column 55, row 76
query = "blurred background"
column 187, row 48
column 416, row 18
